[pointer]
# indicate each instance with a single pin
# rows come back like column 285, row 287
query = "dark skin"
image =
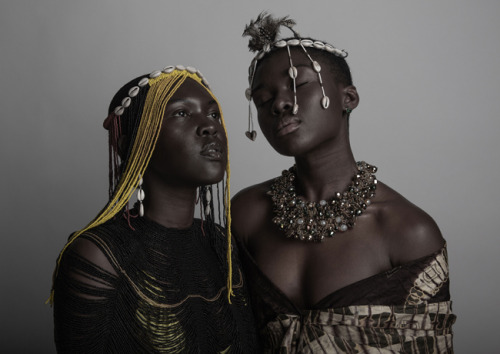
column 190, row 152
column 391, row 232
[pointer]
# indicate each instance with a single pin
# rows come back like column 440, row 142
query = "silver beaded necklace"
column 315, row 221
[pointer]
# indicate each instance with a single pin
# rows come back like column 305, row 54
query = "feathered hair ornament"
column 264, row 30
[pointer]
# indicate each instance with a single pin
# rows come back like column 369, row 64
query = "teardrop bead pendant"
column 325, row 102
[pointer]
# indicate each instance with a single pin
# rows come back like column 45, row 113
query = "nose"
column 207, row 127
column 282, row 103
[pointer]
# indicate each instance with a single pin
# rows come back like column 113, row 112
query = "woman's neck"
column 169, row 206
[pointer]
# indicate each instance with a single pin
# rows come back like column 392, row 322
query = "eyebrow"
column 211, row 102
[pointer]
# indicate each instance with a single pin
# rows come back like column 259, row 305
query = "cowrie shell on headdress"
column 280, row 44
column 293, row 41
column 200, row 75
column 325, row 102
column 155, row 74
column 306, row 42
column 190, row 69
column 205, row 82
column 292, row 72
column 319, row 45
column 168, row 69
column 143, row 82
column 140, row 194
column 248, row 94
column 180, row 67
column 133, row 91
column 316, row 66
column 126, row 102
column 267, row 48
column 141, row 210
column 119, row 110
column 295, row 109
column 329, row 48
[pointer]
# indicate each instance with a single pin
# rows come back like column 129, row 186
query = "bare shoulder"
column 89, row 250
column 411, row 233
column 250, row 208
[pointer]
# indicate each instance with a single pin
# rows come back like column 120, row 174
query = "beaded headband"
column 264, row 32
column 134, row 91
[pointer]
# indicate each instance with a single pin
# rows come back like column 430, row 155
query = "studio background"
column 427, row 73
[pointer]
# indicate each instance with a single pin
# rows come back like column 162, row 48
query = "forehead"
column 191, row 89
column 277, row 63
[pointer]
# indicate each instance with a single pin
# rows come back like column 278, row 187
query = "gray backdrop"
column 427, row 73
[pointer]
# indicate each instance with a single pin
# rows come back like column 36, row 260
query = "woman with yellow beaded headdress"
column 153, row 278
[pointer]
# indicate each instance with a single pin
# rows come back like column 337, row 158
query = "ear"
column 351, row 97
column 123, row 147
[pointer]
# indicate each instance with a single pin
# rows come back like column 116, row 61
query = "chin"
column 212, row 176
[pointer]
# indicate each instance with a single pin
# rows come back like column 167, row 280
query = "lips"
column 287, row 125
column 213, row 150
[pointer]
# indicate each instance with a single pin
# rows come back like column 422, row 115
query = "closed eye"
column 261, row 100
column 303, row 83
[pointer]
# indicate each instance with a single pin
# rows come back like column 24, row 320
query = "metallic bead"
column 343, row 227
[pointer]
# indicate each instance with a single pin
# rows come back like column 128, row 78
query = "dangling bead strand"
column 140, row 197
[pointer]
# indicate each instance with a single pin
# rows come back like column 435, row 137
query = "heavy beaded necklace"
column 314, row 221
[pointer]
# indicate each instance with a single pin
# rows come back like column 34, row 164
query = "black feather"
column 265, row 30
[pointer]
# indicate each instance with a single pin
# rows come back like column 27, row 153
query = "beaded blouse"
column 158, row 290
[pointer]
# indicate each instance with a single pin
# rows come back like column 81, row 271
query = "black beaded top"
column 160, row 290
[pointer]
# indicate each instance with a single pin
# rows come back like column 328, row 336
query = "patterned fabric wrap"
column 404, row 310
column 424, row 328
